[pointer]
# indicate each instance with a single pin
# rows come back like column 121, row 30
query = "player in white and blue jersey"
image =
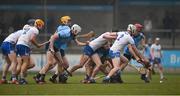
column 156, row 55
column 139, row 39
column 9, row 44
column 89, row 52
column 124, row 38
column 8, row 50
column 104, row 57
column 24, row 44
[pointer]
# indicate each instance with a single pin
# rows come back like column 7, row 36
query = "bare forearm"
column 132, row 52
column 51, row 43
column 138, row 53
column 80, row 43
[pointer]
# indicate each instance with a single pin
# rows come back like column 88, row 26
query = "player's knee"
column 51, row 63
column 86, row 66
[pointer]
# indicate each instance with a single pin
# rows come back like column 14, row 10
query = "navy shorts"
column 7, row 48
column 113, row 54
column 157, row 60
column 61, row 51
column 88, row 50
column 23, row 50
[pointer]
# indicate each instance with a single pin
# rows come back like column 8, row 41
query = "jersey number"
column 120, row 37
column 25, row 31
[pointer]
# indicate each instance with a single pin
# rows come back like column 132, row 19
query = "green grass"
column 132, row 86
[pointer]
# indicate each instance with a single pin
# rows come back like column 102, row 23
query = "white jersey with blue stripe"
column 98, row 42
column 26, row 36
column 13, row 37
column 157, row 50
column 122, row 40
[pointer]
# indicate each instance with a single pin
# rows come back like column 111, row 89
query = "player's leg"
column 40, row 77
column 6, row 48
column 31, row 64
column 24, row 52
column 24, row 69
column 5, row 70
column 96, row 59
column 50, row 62
column 89, row 66
column 63, row 76
column 104, row 66
column 12, row 58
column 160, row 67
column 124, row 60
column 116, row 67
column 19, row 60
column 152, row 67
column 123, row 63
column 83, row 59
column 87, row 52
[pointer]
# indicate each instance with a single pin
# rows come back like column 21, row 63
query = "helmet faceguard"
column 131, row 28
column 76, row 28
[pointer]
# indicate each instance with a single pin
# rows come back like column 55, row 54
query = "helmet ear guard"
column 76, row 28
column 131, row 28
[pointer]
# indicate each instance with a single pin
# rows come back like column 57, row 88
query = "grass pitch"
column 132, row 86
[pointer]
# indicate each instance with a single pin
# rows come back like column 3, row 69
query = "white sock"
column 161, row 75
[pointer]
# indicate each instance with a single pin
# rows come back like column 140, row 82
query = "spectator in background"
column 148, row 26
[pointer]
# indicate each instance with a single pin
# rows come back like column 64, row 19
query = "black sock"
column 38, row 75
column 4, row 77
column 87, row 77
column 54, row 76
column 42, row 77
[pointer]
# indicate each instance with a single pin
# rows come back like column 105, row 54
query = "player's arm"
column 34, row 41
column 152, row 52
column 160, row 52
column 143, row 41
column 131, row 47
column 81, row 43
column 137, row 52
column 52, row 39
column 88, row 35
column 112, row 35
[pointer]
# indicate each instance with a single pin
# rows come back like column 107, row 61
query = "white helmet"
column 76, row 27
column 131, row 28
